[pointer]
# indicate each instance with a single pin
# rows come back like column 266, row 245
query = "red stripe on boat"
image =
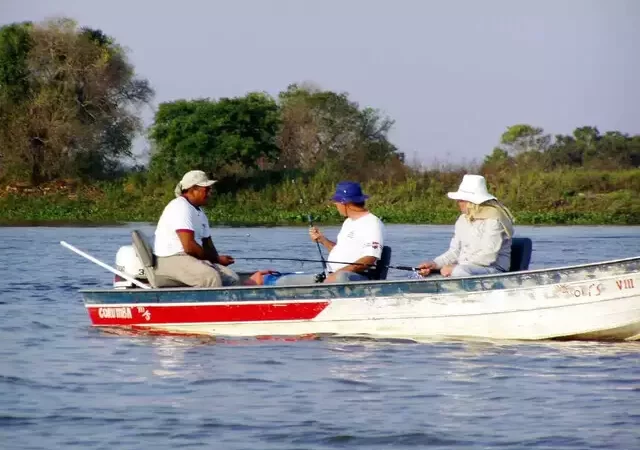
column 130, row 315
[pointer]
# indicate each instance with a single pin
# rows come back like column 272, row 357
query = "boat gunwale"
column 365, row 283
column 271, row 302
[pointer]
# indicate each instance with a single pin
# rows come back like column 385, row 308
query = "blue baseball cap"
column 349, row 192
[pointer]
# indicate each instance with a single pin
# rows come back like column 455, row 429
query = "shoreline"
column 123, row 224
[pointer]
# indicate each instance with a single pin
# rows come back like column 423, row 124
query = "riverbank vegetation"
column 70, row 103
column 558, row 197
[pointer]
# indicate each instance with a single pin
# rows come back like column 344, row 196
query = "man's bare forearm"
column 362, row 264
column 195, row 250
column 210, row 250
column 327, row 243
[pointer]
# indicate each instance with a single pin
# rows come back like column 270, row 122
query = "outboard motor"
column 128, row 262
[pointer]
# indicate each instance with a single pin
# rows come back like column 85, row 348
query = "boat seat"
column 143, row 249
column 379, row 272
column 521, row 249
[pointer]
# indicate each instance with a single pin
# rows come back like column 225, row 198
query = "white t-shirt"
column 179, row 215
column 357, row 238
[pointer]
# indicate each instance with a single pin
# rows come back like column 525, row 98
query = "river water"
column 66, row 385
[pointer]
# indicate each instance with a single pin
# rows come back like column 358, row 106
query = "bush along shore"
column 557, row 197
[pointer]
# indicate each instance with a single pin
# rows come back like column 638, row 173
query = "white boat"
column 596, row 301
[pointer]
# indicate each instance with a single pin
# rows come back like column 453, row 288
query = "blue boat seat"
column 521, row 249
column 379, row 272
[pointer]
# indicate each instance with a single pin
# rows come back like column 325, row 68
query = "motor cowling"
column 128, row 262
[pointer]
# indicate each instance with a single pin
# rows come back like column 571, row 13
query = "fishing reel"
column 320, row 277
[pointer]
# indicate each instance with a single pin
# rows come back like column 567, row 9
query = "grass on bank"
column 561, row 197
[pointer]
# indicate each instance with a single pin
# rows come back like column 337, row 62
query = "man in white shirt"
column 359, row 243
column 183, row 246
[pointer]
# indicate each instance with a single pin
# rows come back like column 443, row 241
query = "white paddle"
column 106, row 266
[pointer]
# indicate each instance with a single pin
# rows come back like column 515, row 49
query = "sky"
column 453, row 74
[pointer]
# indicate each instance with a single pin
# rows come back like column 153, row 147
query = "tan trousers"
column 193, row 272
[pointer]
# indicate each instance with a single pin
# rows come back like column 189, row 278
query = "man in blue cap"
column 359, row 243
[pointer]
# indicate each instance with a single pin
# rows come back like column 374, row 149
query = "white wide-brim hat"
column 472, row 189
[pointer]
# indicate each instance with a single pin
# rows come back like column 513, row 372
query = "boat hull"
column 593, row 302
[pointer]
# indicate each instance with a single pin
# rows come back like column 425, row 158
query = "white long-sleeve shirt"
column 482, row 242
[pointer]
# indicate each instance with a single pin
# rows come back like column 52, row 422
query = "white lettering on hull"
column 115, row 313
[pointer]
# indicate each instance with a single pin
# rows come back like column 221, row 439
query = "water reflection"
column 169, row 357
column 354, row 363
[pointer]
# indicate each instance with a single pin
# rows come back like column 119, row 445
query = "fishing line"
column 408, row 268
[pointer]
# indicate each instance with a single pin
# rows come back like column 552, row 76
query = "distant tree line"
column 525, row 148
column 70, row 107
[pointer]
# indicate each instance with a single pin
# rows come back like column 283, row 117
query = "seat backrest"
column 379, row 272
column 521, row 249
column 144, row 251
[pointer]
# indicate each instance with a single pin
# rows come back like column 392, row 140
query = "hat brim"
column 340, row 199
column 206, row 183
column 469, row 197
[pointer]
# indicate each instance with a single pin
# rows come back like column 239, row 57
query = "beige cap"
column 193, row 178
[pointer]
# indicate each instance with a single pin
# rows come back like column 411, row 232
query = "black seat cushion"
column 521, row 249
column 379, row 272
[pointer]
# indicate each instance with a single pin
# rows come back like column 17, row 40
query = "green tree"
column 612, row 150
column 15, row 43
column 634, row 151
column 586, row 141
column 214, row 134
column 587, row 147
column 69, row 98
column 497, row 161
column 323, row 127
column 565, row 152
column 522, row 138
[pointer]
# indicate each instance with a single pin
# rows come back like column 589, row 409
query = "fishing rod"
column 409, row 268
column 325, row 270
column 324, row 263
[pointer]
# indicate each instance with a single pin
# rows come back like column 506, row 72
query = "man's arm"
column 450, row 257
column 206, row 252
column 361, row 265
column 210, row 250
column 317, row 236
column 191, row 247
column 327, row 243
column 213, row 254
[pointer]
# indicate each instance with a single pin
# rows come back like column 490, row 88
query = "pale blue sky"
column 453, row 74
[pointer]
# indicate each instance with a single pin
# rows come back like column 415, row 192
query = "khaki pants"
column 193, row 272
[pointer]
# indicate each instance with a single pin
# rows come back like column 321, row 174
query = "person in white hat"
column 183, row 246
column 482, row 238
